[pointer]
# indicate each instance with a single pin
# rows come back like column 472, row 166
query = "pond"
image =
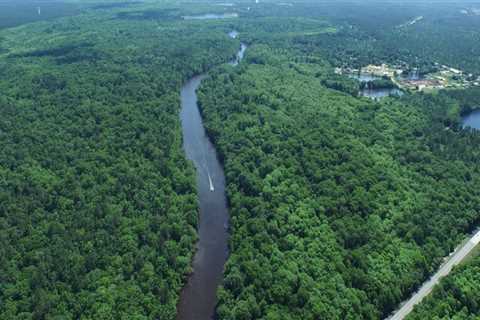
column 375, row 93
column 381, row 93
column 472, row 120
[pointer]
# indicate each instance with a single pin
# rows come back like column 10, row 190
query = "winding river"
column 198, row 297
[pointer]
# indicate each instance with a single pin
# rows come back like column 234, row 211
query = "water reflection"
column 472, row 120
column 381, row 93
column 376, row 93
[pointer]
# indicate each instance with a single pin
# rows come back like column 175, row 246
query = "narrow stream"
column 198, row 297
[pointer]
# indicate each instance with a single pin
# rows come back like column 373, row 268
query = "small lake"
column 472, row 120
column 210, row 16
column 375, row 93
column 381, row 93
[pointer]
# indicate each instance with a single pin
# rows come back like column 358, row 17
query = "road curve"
column 454, row 259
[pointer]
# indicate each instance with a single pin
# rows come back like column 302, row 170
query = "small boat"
column 211, row 183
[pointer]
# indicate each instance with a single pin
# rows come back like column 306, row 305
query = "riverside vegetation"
column 98, row 206
column 340, row 206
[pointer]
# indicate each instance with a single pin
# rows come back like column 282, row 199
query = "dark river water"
column 198, row 297
column 472, row 120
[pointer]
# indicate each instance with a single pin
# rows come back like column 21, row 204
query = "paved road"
column 454, row 259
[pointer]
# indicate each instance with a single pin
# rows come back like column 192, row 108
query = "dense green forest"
column 98, row 206
column 340, row 206
column 455, row 298
column 457, row 295
column 382, row 32
column 468, row 99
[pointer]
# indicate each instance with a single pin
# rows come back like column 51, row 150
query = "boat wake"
column 212, row 188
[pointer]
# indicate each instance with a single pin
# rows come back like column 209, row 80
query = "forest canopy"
column 455, row 298
column 341, row 206
column 98, row 206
